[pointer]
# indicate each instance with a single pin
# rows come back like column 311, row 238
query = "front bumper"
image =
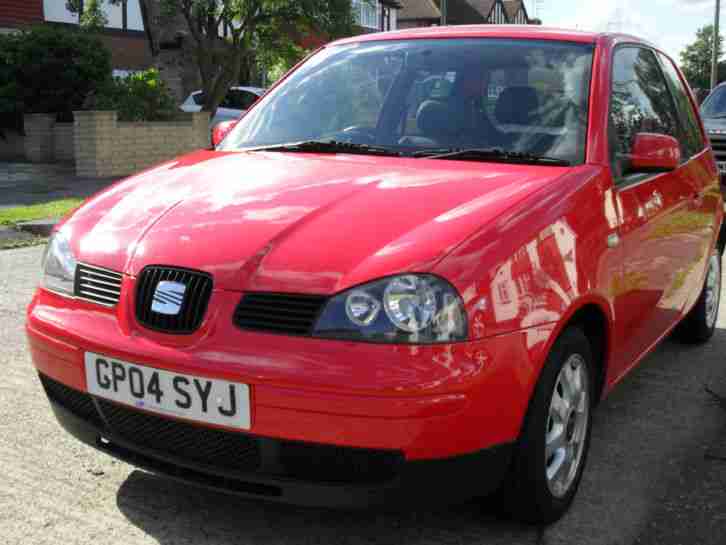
column 290, row 472
column 445, row 409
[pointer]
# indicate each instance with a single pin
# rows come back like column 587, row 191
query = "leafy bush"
column 139, row 97
column 10, row 103
column 54, row 69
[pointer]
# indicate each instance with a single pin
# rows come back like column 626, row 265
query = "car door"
column 652, row 206
column 705, row 186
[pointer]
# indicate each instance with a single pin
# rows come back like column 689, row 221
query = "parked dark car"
column 713, row 112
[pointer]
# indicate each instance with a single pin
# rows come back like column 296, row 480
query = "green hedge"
column 139, row 97
column 51, row 69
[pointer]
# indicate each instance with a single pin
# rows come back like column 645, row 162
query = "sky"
column 670, row 24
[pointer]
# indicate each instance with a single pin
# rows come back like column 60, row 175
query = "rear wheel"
column 699, row 325
column 552, row 449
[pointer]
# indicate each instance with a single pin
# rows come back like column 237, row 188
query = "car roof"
column 531, row 32
column 255, row 90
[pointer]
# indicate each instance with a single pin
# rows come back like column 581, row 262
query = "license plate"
column 722, row 167
column 201, row 399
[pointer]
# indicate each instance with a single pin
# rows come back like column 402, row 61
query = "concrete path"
column 30, row 183
column 656, row 472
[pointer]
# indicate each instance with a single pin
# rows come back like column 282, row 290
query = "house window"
column 366, row 13
column 118, row 15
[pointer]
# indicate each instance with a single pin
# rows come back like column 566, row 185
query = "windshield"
column 715, row 104
column 522, row 96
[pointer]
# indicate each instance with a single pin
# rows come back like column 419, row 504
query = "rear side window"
column 692, row 139
column 640, row 102
column 238, row 100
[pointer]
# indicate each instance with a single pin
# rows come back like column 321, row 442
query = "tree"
column 93, row 16
column 223, row 38
column 48, row 69
column 226, row 33
column 696, row 58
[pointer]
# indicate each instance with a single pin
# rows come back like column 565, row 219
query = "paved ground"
column 29, row 183
column 652, row 476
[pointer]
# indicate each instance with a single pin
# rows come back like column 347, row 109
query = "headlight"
column 410, row 308
column 59, row 264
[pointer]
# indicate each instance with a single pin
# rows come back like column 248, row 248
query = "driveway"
column 23, row 184
column 654, row 473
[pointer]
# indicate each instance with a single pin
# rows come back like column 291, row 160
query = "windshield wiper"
column 328, row 146
column 490, row 154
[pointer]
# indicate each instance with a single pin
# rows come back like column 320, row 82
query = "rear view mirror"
column 221, row 130
column 654, row 153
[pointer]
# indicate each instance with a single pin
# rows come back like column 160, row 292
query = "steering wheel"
column 356, row 135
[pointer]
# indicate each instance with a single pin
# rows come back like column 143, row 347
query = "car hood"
column 296, row 222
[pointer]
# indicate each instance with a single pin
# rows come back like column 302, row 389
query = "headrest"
column 516, row 105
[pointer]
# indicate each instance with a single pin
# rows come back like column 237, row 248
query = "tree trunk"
column 172, row 48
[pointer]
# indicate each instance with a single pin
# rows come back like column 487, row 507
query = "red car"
column 408, row 273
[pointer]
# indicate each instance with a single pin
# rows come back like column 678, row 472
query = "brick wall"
column 39, row 138
column 19, row 13
column 129, row 50
column 104, row 147
column 63, row 142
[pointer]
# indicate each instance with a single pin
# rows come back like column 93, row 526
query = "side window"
column 692, row 140
column 247, row 99
column 640, row 102
column 231, row 100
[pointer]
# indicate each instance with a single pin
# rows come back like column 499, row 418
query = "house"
column 16, row 14
column 370, row 16
column 124, row 35
column 421, row 13
column 376, row 15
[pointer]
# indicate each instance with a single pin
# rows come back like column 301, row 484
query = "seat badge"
column 168, row 298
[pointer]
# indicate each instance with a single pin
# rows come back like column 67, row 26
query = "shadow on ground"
column 173, row 513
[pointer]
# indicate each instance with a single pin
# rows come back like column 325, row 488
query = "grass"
column 51, row 209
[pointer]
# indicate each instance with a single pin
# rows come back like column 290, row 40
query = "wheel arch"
column 593, row 317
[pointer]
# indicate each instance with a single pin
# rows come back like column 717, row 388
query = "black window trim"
column 637, row 178
column 662, row 58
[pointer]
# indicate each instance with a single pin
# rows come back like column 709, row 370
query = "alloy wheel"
column 713, row 290
column 567, row 425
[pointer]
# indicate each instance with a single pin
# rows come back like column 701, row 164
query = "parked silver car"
column 237, row 101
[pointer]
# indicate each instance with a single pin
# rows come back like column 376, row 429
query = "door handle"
column 613, row 240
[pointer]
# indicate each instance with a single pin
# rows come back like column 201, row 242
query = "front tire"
column 551, row 452
column 698, row 327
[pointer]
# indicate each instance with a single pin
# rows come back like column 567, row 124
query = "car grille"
column 205, row 446
column 98, row 285
column 227, row 452
column 73, row 401
column 193, row 307
column 279, row 313
column 718, row 143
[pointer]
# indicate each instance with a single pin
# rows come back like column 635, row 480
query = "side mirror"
column 654, row 153
column 221, row 130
